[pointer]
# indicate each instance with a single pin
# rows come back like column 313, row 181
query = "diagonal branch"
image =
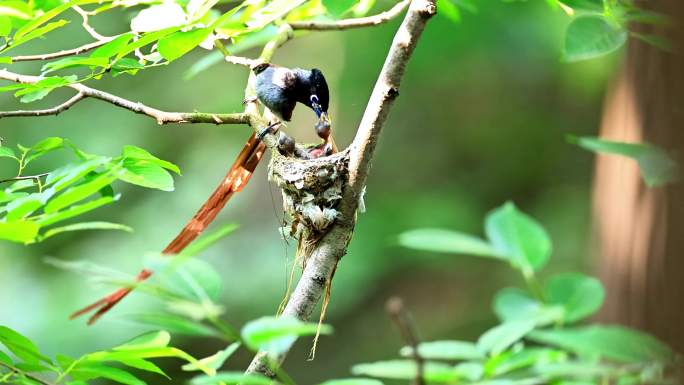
column 353, row 23
column 323, row 259
column 162, row 117
column 63, row 53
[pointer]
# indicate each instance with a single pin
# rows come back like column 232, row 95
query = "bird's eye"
column 314, row 99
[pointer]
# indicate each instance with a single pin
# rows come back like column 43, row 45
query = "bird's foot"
column 267, row 130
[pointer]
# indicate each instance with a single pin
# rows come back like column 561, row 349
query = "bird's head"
column 318, row 100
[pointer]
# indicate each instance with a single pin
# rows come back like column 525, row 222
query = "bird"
column 280, row 89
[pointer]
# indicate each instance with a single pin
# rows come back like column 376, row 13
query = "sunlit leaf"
column 76, row 210
column 146, row 174
column 79, row 193
column 215, row 361
column 178, row 44
column 113, row 47
column 21, row 346
column 591, row 36
column 155, row 339
column 338, row 8
column 14, row 8
column 510, row 361
column 449, row 9
column 75, row 61
column 89, row 370
column 133, row 152
column 19, row 231
column 6, row 152
column 86, row 226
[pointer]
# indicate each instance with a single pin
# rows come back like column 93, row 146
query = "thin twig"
column 27, row 375
column 397, row 312
column 18, row 178
column 48, row 111
column 353, row 23
column 87, row 26
column 326, row 253
column 63, row 53
column 162, row 117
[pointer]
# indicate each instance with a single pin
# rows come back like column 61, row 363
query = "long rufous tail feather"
column 235, row 180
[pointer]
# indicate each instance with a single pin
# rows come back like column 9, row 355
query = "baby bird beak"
column 323, row 126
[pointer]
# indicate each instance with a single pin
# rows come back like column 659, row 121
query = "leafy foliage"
column 28, row 365
column 537, row 314
column 33, row 207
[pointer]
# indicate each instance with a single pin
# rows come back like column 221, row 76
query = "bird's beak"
column 323, row 119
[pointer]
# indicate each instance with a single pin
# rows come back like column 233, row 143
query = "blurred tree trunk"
column 640, row 231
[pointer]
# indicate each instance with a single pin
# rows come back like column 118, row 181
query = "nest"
column 312, row 190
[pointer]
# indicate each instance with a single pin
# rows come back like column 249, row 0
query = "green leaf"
column 133, row 152
column 510, row 361
column 449, row 9
column 77, row 210
column 513, row 304
column 33, row 92
column 5, row 25
column 155, row 339
column 21, row 207
column 338, row 8
column 75, row 61
column 501, row 337
column 113, row 47
column 17, row 9
column 584, row 5
column 146, row 174
column 194, row 279
column 407, row 370
column 4, row 358
column 19, row 231
column 178, row 44
column 209, row 239
column 6, row 152
column 657, row 168
column 32, row 26
column 90, row 370
column 86, row 226
column 277, row 334
column 232, row 378
column 144, row 40
column 215, row 361
column 518, row 236
column 608, row 341
column 579, row 295
column 446, row 241
column 445, row 350
column 592, row 36
column 35, row 34
column 174, row 324
column 63, row 177
column 21, row 346
column 79, row 193
column 139, row 363
column 352, row 381
column 126, row 65
column 43, row 147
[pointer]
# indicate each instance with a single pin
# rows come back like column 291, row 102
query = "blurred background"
column 484, row 111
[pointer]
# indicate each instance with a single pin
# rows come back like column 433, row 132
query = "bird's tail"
column 234, row 181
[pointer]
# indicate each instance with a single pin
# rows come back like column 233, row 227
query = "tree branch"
column 162, row 117
column 323, row 259
column 397, row 311
column 88, row 28
column 63, row 53
column 353, row 23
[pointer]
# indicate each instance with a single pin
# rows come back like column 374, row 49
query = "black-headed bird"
column 280, row 89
